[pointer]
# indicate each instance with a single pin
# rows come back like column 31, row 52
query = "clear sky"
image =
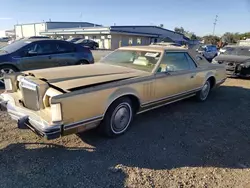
column 194, row 15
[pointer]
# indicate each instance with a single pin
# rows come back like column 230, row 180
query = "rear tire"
column 203, row 94
column 117, row 118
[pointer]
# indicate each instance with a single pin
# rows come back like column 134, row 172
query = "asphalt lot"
column 187, row 144
column 98, row 54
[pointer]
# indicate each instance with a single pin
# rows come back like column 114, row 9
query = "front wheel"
column 117, row 118
column 204, row 92
column 6, row 69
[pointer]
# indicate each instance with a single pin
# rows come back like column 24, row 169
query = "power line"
column 215, row 22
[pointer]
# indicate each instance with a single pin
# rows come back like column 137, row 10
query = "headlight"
column 214, row 61
column 56, row 112
column 8, row 84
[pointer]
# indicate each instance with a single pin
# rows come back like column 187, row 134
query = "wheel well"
column 135, row 102
column 82, row 61
column 212, row 81
column 9, row 65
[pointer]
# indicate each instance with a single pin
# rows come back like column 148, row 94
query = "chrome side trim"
column 171, row 96
column 83, row 122
column 179, row 99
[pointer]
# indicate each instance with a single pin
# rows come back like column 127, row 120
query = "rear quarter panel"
column 213, row 70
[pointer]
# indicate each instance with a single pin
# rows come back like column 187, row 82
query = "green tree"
column 190, row 35
column 230, row 37
column 179, row 30
column 211, row 39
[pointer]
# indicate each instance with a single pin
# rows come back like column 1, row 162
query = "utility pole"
column 215, row 22
column 81, row 17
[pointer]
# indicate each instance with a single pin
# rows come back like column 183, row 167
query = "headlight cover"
column 8, row 84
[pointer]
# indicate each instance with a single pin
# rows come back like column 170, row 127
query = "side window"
column 174, row 61
column 64, row 48
column 191, row 62
column 29, row 48
column 45, row 48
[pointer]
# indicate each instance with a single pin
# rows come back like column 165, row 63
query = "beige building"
column 34, row 29
column 111, row 37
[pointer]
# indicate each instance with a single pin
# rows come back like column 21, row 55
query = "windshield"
column 201, row 48
column 238, row 51
column 211, row 48
column 14, row 46
column 81, row 41
column 141, row 60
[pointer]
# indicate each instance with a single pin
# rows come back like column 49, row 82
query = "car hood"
column 81, row 76
column 232, row 58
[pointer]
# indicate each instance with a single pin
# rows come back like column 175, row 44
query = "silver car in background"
column 208, row 51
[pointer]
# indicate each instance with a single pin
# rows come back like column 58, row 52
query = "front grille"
column 230, row 67
column 30, row 94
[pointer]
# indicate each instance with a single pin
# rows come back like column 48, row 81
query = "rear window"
column 212, row 48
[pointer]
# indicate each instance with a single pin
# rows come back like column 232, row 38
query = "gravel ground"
column 186, row 144
column 2, row 44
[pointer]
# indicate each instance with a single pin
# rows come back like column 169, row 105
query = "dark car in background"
column 236, row 60
column 4, row 39
column 226, row 48
column 41, row 53
column 88, row 43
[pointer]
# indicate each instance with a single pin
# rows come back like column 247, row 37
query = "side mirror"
column 196, row 50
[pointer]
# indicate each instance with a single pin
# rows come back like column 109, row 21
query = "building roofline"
column 122, row 31
column 136, row 33
column 147, row 26
column 57, row 22
column 78, row 28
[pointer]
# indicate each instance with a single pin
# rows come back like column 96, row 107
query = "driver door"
column 38, row 55
column 176, row 76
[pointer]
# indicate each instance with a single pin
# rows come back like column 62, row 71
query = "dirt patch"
column 187, row 144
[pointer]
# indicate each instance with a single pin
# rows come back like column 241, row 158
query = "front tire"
column 6, row 69
column 117, row 118
column 203, row 94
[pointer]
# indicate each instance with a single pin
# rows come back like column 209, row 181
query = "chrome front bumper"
column 27, row 120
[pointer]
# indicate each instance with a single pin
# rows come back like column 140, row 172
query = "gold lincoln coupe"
column 65, row 100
